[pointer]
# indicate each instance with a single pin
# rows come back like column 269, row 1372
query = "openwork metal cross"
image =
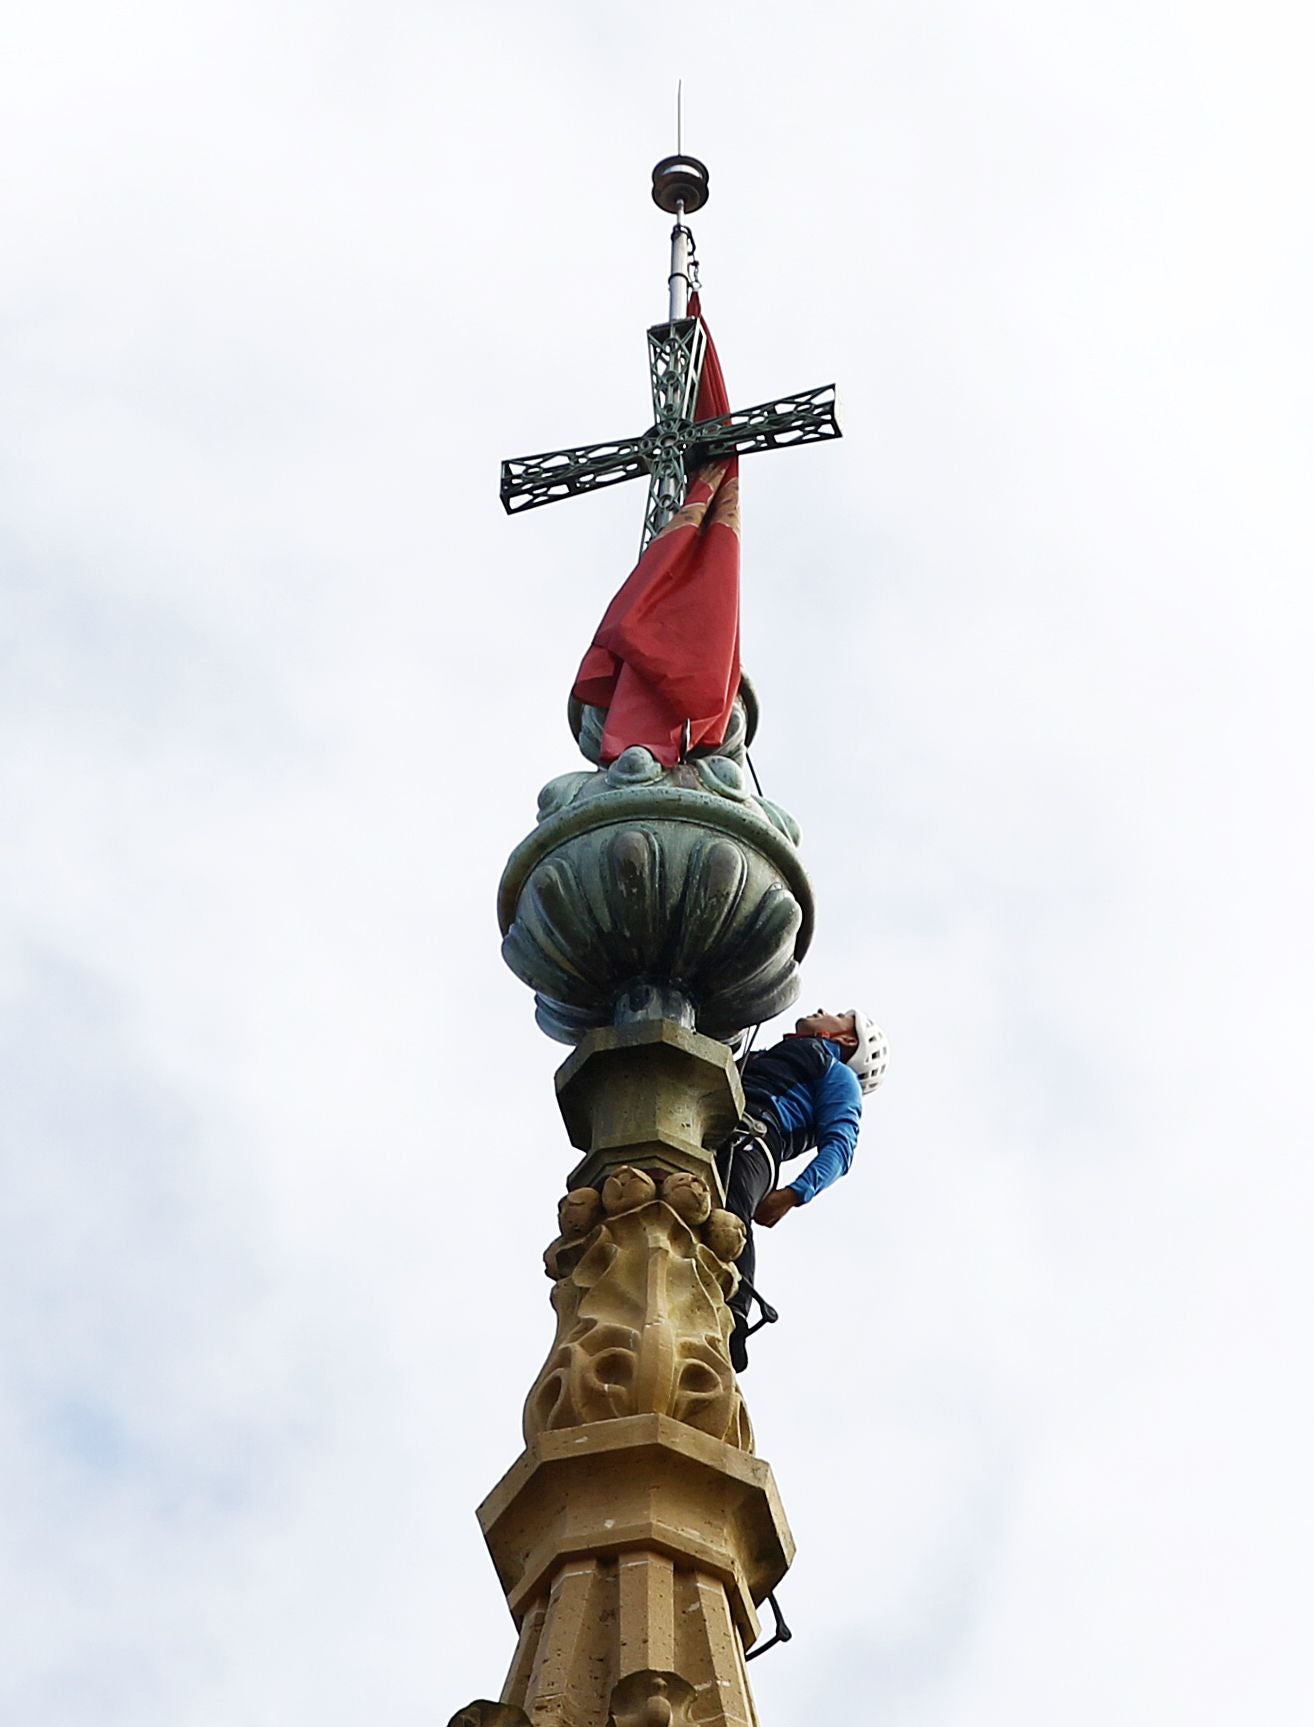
column 676, row 443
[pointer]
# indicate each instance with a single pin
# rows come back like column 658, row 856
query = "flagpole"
column 678, row 282
column 680, row 187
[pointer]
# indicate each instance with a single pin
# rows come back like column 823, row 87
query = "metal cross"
column 676, row 443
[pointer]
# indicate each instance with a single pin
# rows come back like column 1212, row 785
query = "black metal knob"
column 680, row 180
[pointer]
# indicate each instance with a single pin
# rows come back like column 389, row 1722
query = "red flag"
column 666, row 653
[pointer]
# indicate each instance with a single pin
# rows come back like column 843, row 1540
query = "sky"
column 279, row 682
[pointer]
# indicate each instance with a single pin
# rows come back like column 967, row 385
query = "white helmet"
column 872, row 1055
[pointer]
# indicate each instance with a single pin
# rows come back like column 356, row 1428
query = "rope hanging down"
column 782, row 1632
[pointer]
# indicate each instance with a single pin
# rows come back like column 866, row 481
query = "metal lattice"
column 676, row 443
column 528, row 482
column 675, row 368
column 809, row 418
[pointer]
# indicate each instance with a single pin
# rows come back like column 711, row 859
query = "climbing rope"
column 782, row 1632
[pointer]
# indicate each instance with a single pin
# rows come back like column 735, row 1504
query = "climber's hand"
column 774, row 1207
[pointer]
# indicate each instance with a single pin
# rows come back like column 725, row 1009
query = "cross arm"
column 528, row 482
column 808, row 418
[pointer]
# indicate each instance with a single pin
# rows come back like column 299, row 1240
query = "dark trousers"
column 748, row 1175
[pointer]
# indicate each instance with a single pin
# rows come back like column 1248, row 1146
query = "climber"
column 803, row 1094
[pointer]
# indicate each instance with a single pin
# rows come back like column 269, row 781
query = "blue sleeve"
column 837, row 1113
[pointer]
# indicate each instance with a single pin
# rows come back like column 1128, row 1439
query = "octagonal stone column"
column 648, row 1093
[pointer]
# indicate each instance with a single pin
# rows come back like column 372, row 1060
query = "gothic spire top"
column 676, row 350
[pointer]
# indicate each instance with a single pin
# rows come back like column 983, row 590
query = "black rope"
column 752, row 770
column 740, row 1063
column 748, row 1049
column 769, row 1314
column 782, row 1632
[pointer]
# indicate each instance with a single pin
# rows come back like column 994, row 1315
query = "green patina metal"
column 675, row 443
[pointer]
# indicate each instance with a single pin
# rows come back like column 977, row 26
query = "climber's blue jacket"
column 806, row 1095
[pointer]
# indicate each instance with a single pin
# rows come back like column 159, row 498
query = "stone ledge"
column 639, row 1482
column 649, row 1093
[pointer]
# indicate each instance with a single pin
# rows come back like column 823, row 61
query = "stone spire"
column 656, row 912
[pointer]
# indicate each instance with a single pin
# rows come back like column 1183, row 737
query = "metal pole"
column 679, row 278
column 678, row 284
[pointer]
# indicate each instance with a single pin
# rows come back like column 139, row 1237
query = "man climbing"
column 803, row 1094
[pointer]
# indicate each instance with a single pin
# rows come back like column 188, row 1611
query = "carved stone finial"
column 726, row 1235
column 642, row 1325
column 688, row 1196
column 579, row 1211
column 482, row 1713
column 651, row 1699
column 627, row 1189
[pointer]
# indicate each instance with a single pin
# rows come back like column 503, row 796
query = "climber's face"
column 838, row 1026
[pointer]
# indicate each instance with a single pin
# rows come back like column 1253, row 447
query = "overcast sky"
column 280, row 285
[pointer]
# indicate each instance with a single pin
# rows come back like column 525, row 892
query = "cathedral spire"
column 659, row 910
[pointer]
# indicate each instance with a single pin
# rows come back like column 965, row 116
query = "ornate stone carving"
column 482, row 1713
column 726, row 1235
column 579, row 1211
column 651, row 1699
column 642, row 1325
column 627, row 1190
column 688, row 1196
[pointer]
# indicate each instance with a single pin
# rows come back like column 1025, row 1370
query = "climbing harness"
column 753, row 1132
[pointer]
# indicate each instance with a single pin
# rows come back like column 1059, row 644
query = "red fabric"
column 667, row 649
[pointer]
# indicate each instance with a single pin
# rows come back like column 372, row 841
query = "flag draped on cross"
column 666, row 654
